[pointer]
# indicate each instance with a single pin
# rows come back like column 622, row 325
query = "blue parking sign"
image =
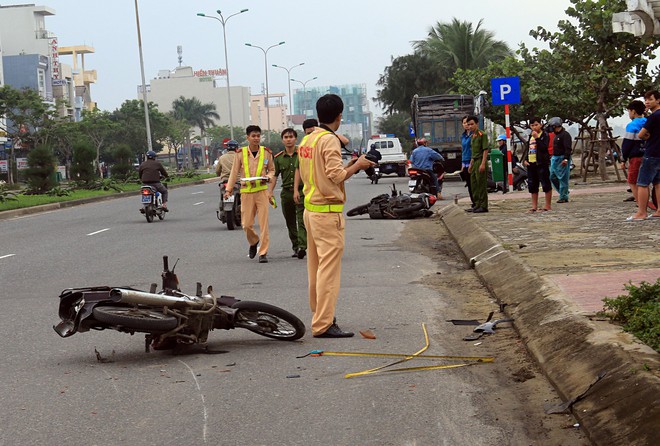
column 505, row 90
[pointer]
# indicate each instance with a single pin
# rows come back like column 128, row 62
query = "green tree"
column 123, row 157
column 131, row 129
column 83, row 169
column 26, row 114
column 458, row 44
column 41, row 169
column 195, row 114
column 98, row 127
column 406, row 76
column 594, row 70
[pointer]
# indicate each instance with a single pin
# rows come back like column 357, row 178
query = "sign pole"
column 508, row 148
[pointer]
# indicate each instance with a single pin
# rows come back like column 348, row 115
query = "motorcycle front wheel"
column 147, row 321
column 358, row 210
column 268, row 320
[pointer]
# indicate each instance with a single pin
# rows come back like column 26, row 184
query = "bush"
column 41, row 170
column 639, row 312
column 82, row 168
column 5, row 193
column 123, row 167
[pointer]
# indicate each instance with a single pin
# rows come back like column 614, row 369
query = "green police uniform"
column 286, row 166
column 478, row 180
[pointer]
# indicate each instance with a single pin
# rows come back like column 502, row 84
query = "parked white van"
column 394, row 160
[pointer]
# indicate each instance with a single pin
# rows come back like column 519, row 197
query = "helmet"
column 151, row 155
column 501, row 138
column 422, row 142
column 554, row 122
column 373, row 146
column 232, row 145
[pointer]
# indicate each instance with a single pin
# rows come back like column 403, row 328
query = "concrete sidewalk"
column 553, row 269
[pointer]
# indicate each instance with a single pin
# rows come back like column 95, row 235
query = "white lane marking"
column 8, row 255
column 197, row 204
column 98, row 232
column 206, row 416
column 199, row 192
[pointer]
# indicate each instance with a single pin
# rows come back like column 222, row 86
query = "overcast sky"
column 350, row 42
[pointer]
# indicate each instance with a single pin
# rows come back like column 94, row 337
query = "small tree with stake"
column 41, row 169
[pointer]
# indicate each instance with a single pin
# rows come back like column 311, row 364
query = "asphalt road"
column 54, row 391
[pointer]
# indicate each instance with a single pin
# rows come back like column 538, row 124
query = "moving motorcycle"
column 169, row 317
column 420, row 180
column 229, row 210
column 396, row 206
column 152, row 203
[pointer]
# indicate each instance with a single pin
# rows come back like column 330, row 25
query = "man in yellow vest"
column 323, row 175
column 253, row 161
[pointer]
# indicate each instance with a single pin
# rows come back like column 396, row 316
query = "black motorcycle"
column 396, row 206
column 229, row 210
column 420, row 179
column 169, row 317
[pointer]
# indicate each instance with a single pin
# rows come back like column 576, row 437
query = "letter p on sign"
column 505, row 90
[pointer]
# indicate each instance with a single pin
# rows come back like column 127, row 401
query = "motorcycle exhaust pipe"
column 157, row 300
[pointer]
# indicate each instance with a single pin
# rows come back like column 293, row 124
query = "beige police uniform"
column 323, row 174
column 254, row 195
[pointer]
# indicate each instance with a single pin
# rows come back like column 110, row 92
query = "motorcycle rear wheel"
column 358, row 210
column 268, row 320
column 229, row 216
column 149, row 214
column 409, row 209
column 147, row 321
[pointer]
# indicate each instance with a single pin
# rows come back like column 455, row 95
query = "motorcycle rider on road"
column 151, row 172
column 226, row 161
column 375, row 156
column 422, row 158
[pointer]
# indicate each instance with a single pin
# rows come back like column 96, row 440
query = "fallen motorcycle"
column 169, row 317
column 396, row 206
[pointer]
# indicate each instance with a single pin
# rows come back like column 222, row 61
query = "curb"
column 624, row 407
column 5, row 215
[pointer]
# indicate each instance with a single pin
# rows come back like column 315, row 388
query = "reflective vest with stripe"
column 253, row 186
column 308, row 205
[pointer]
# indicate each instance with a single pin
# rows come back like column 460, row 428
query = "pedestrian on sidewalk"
column 466, row 156
column 251, row 161
column 560, row 163
column 537, row 162
column 631, row 147
column 286, row 163
column 323, row 175
column 649, row 171
column 478, row 165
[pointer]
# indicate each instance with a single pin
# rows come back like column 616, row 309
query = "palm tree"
column 458, row 45
column 195, row 114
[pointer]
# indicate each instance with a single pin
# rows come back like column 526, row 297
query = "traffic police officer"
column 286, row 163
column 323, row 175
column 254, row 160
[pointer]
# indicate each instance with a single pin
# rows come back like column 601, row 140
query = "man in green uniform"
column 478, row 165
column 286, row 164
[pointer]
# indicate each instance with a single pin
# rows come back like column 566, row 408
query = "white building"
column 203, row 85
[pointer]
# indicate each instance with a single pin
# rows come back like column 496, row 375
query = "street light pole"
column 223, row 21
column 265, row 51
column 288, row 73
column 304, row 84
column 144, row 87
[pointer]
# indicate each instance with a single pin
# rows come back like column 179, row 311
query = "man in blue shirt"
column 631, row 147
column 422, row 158
column 649, row 172
column 466, row 157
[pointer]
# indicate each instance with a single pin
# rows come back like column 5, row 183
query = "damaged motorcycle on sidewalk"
column 396, row 206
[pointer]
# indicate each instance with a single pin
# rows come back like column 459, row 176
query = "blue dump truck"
column 438, row 119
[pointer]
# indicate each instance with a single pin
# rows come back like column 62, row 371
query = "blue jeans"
column 559, row 176
column 649, row 172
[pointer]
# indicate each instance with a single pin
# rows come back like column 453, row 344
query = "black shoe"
column 335, row 332
column 479, row 211
column 165, row 209
column 562, row 200
column 253, row 250
column 263, row 259
column 295, row 253
column 469, row 210
column 301, row 253
column 630, row 199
